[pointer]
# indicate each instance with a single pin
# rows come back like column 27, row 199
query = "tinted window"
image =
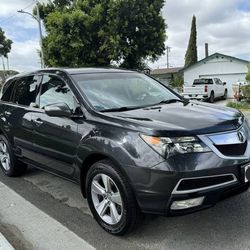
column 115, row 90
column 7, row 91
column 25, row 90
column 54, row 90
column 202, row 81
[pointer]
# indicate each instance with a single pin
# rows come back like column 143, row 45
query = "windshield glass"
column 118, row 90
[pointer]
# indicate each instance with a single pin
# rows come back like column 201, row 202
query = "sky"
column 223, row 24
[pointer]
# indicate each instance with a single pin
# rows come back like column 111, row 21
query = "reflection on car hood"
column 180, row 119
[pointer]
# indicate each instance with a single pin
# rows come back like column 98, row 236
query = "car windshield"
column 113, row 91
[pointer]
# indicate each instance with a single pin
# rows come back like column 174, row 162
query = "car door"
column 221, row 88
column 216, row 87
column 17, row 116
column 55, row 139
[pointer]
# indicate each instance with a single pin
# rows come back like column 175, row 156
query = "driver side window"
column 54, row 90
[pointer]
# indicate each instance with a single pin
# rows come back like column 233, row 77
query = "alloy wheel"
column 4, row 156
column 107, row 199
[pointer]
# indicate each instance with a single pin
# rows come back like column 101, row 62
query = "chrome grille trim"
column 210, row 143
column 176, row 191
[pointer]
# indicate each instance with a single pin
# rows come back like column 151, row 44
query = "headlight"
column 168, row 147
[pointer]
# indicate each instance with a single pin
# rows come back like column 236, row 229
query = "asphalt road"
column 225, row 226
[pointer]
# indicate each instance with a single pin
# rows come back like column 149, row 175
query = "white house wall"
column 227, row 69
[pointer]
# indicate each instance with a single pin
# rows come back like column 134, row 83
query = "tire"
column 125, row 211
column 8, row 161
column 225, row 95
column 211, row 99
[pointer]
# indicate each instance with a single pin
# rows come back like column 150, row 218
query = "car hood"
column 193, row 118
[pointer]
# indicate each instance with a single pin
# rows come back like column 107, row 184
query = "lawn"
column 243, row 106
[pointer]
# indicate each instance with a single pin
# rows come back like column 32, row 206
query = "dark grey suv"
column 131, row 143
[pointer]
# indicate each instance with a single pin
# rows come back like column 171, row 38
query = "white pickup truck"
column 206, row 89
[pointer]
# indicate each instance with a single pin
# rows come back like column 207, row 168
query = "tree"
column 248, row 74
column 6, row 44
column 142, row 31
column 191, row 54
column 177, row 82
column 98, row 33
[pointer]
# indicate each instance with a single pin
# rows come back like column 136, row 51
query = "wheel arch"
column 92, row 159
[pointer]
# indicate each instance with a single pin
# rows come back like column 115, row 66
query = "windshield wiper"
column 121, row 109
column 173, row 100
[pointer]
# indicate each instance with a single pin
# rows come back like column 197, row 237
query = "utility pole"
column 168, row 51
column 40, row 33
column 38, row 19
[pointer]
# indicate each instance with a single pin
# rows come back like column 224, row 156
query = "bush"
column 239, row 105
column 246, row 92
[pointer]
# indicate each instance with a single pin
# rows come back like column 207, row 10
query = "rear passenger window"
column 7, row 91
column 25, row 91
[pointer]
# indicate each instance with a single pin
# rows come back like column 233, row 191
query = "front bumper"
column 155, row 194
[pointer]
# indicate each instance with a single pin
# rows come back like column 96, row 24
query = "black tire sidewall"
column 212, row 97
column 129, row 203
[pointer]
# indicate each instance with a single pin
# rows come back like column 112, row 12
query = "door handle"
column 38, row 122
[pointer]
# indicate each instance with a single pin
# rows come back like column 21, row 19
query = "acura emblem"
column 241, row 136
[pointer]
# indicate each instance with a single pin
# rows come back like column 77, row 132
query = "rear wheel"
column 211, row 99
column 111, row 199
column 8, row 162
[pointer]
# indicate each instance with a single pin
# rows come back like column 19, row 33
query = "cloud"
column 223, row 24
column 24, row 56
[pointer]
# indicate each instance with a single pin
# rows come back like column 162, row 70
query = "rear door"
column 17, row 116
column 55, row 139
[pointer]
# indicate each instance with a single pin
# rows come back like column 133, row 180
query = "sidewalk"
column 37, row 228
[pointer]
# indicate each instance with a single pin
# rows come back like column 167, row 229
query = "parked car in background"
column 206, row 89
column 132, row 144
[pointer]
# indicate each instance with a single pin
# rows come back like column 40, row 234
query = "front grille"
column 205, row 182
column 232, row 149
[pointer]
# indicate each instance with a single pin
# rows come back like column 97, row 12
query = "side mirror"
column 224, row 83
column 58, row 109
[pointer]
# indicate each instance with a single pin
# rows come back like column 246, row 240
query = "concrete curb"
column 4, row 244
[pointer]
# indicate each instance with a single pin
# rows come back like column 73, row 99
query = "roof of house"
column 212, row 56
column 165, row 71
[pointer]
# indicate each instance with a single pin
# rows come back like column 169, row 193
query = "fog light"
column 184, row 204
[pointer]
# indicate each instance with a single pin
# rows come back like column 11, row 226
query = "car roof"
column 73, row 71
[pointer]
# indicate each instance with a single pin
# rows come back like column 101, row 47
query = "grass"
column 243, row 106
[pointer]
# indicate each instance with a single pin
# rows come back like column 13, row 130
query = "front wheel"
column 111, row 199
column 211, row 99
column 225, row 95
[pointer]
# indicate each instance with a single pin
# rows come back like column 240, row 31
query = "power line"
column 8, row 18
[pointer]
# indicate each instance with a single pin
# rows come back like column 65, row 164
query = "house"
column 229, row 69
column 165, row 75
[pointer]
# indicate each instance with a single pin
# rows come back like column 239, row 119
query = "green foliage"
column 95, row 32
column 177, row 81
column 239, row 105
column 248, row 74
column 141, row 30
column 246, row 92
column 191, row 54
column 6, row 44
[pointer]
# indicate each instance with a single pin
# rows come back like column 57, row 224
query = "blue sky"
column 224, row 24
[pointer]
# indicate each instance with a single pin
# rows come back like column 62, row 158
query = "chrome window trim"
column 175, row 191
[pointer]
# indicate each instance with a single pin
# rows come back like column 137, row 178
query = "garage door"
column 230, row 79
